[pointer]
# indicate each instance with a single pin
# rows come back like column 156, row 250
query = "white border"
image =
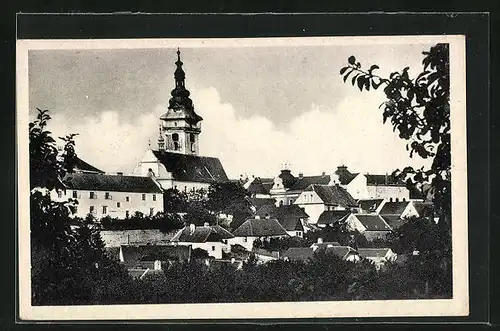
column 458, row 306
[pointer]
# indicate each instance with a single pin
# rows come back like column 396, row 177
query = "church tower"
column 180, row 126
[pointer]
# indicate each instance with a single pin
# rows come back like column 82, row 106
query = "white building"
column 211, row 238
column 372, row 226
column 176, row 162
column 257, row 228
column 316, row 199
column 117, row 196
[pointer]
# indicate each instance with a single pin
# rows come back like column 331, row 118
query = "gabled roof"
column 394, row 221
column 370, row 205
column 383, row 180
column 283, row 211
column 257, row 187
column 333, row 195
column 133, row 255
column 299, row 253
column 192, row 168
column 259, row 202
column 291, row 223
column 82, row 166
column 340, row 251
column 373, row 222
column 301, row 183
column 110, row 183
column 373, row 252
column 261, row 227
column 201, row 234
column 332, row 216
column 345, row 176
column 394, row 208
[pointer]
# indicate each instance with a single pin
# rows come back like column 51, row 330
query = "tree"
column 227, row 197
column 174, row 201
column 418, row 108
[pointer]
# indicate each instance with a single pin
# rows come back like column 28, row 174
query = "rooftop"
column 261, row 227
column 110, row 183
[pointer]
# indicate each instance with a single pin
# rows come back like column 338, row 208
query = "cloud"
column 349, row 132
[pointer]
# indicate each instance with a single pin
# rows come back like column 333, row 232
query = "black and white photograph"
column 239, row 178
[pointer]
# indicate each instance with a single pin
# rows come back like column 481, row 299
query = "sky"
column 262, row 106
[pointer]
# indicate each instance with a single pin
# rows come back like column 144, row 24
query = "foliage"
column 418, row 108
column 163, row 221
column 281, row 244
column 174, row 201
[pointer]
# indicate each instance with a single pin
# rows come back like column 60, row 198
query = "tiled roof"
column 111, row 183
column 302, row 183
column 299, row 253
column 82, row 166
column 192, row 168
column 133, row 255
column 340, row 251
column 291, row 223
column 383, row 180
column 332, row 216
column 201, row 234
column 394, row 208
column 259, row 202
column 394, row 221
column 282, row 211
column 370, row 205
column 260, row 228
column 333, row 195
column 373, row 222
column 373, row 252
column 257, row 187
column 345, row 176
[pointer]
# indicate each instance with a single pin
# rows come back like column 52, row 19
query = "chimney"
column 320, row 240
column 385, row 178
column 301, row 175
column 323, row 174
column 233, row 260
column 257, row 217
column 206, row 224
column 119, row 173
column 192, row 227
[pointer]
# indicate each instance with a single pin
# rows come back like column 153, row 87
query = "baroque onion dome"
column 180, row 100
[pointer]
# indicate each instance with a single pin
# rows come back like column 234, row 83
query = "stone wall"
column 116, row 238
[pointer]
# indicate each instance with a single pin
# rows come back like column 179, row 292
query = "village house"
column 211, row 238
column 332, row 217
column 141, row 260
column 316, row 199
column 257, row 228
column 372, row 226
column 117, row 196
column 176, row 162
column 378, row 256
column 291, row 217
column 370, row 206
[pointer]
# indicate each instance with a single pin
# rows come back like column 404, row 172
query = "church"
column 175, row 162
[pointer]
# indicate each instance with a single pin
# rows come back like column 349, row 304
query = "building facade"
column 176, row 162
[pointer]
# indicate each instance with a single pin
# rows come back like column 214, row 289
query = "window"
column 59, row 194
column 244, row 239
column 104, row 210
column 92, row 209
column 213, row 248
column 118, row 205
column 106, row 196
column 75, row 194
column 154, row 197
column 93, row 195
column 404, row 199
column 397, row 199
column 127, row 214
column 127, row 199
column 175, row 138
column 151, row 211
column 143, row 197
column 192, row 140
column 390, row 200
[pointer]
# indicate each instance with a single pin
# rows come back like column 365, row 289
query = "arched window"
column 397, row 199
column 175, row 138
column 192, row 140
column 390, row 200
